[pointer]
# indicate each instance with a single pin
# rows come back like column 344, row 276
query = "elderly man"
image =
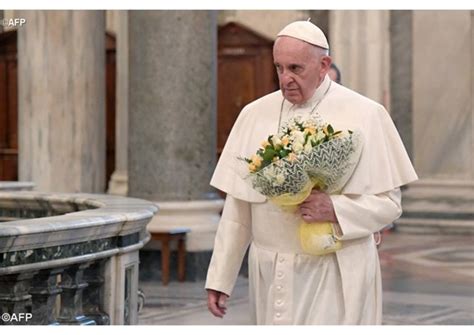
column 286, row 285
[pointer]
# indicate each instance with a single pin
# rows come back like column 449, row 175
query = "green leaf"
column 330, row 129
column 284, row 153
column 269, row 154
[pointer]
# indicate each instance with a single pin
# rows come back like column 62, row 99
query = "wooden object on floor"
column 165, row 237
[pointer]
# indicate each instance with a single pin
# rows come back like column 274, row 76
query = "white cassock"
column 286, row 285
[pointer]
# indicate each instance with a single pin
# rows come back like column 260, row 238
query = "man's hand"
column 317, row 208
column 216, row 302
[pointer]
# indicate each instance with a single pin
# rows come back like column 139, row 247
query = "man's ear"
column 326, row 62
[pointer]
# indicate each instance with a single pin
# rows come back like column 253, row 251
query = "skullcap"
column 305, row 31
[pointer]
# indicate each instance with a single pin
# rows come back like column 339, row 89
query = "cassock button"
column 282, row 259
column 279, row 287
column 280, row 274
column 279, row 302
column 278, row 315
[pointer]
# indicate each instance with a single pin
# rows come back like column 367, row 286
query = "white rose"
column 297, row 147
column 298, row 137
column 276, row 141
column 308, row 147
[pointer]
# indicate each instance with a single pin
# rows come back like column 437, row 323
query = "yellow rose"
column 257, row 160
column 265, row 144
column 310, row 130
column 252, row 167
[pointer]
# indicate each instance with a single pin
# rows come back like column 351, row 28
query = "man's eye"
column 295, row 68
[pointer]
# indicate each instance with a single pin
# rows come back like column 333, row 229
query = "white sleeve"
column 363, row 215
column 232, row 240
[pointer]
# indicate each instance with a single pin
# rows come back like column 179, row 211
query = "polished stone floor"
column 427, row 280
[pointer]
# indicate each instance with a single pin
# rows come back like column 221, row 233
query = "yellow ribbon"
column 315, row 238
column 318, row 238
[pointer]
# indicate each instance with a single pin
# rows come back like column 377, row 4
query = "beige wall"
column 443, row 77
column 266, row 22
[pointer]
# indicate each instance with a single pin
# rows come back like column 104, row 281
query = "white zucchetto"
column 305, row 31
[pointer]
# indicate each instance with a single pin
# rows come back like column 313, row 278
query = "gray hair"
column 318, row 51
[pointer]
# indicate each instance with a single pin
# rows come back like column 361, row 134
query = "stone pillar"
column 118, row 183
column 360, row 47
column 443, row 123
column 61, row 114
column 401, row 75
column 172, row 133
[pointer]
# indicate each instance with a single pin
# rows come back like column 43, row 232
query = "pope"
column 286, row 285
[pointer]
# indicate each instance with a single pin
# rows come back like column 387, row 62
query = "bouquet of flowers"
column 305, row 155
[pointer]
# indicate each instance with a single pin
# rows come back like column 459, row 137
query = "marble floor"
column 427, row 280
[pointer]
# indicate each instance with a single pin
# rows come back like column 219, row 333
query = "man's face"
column 300, row 68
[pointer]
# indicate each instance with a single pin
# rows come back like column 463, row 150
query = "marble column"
column 360, row 45
column 401, row 75
column 172, row 120
column 443, row 122
column 61, row 114
column 118, row 183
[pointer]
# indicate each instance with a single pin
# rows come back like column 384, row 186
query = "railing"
column 70, row 258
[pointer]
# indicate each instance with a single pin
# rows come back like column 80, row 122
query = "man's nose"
column 285, row 78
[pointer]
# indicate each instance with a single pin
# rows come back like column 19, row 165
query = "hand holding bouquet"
column 305, row 155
